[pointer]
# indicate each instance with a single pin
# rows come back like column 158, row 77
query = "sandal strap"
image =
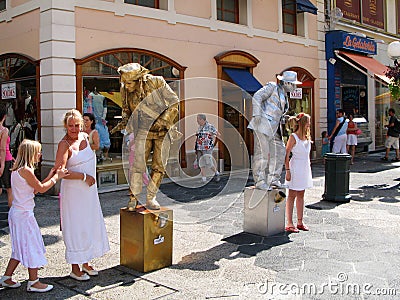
column 33, row 281
column 4, row 278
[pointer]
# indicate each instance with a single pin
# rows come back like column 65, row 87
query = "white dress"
column 300, row 167
column 26, row 240
column 82, row 222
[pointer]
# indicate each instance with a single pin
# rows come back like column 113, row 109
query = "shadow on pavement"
column 240, row 245
column 324, row 205
column 382, row 192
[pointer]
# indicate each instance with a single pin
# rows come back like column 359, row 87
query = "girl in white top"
column 26, row 240
column 298, row 169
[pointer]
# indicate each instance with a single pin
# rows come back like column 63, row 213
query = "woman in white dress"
column 298, row 169
column 82, row 221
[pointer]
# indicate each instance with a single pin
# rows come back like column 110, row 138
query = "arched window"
column 97, row 74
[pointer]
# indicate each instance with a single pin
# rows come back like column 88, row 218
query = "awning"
column 244, row 79
column 373, row 68
column 306, row 6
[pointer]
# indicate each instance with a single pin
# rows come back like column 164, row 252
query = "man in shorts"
column 392, row 137
column 205, row 142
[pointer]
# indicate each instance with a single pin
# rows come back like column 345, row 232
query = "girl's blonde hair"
column 73, row 114
column 28, row 152
column 298, row 123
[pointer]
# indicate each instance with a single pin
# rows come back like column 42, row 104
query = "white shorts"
column 352, row 140
column 392, row 141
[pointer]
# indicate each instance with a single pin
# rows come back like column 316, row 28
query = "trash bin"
column 337, row 177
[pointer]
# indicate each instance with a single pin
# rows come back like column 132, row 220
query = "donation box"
column 146, row 238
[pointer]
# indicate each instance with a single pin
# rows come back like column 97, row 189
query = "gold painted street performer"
column 149, row 107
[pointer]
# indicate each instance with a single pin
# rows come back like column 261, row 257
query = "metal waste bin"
column 337, row 177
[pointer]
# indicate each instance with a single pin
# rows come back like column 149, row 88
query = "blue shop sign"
column 344, row 40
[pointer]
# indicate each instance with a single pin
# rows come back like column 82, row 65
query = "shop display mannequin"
column 99, row 108
column 270, row 104
column 153, row 106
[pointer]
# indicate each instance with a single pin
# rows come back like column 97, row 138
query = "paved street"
column 352, row 250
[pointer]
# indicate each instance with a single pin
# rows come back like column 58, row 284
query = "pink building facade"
column 53, row 54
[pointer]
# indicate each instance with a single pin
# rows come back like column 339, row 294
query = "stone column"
column 57, row 73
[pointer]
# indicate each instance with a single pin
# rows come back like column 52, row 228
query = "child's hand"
column 61, row 173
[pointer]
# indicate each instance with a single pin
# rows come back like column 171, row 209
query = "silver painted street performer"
column 270, row 104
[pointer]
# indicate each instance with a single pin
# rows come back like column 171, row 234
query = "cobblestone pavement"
column 352, row 250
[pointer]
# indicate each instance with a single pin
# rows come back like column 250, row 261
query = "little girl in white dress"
column 26, row 240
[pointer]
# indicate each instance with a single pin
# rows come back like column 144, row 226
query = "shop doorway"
column 237, row 138
column 236, row 87
column 20, row 96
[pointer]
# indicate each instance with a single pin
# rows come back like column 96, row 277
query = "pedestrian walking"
column 351, row 137
column 205, row 143
column 392, row 136
column 339, row 136
column 26, row 240
column 6, row 159
column 298, row 169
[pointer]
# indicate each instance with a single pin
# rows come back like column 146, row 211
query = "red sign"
column 350, row 9
column 373, row 13
column 8, row 91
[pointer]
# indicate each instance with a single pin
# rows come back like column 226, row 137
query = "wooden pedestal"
column 146, row 239
column 262, row 215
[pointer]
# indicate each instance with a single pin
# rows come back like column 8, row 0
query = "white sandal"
column 30, row 288
column 4, row 284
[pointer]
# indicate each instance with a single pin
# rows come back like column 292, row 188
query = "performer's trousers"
column 159, row 143
column 268, row 159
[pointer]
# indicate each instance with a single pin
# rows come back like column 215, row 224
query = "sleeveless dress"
column 26, row 240
column 299, row 164
column 82, row 222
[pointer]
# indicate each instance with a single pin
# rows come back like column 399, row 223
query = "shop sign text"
column 8, row 91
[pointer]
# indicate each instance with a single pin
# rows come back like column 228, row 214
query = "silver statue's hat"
column 289, row 76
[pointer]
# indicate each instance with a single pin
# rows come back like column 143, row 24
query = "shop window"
column 289, row 15
column 19, row 95
column 99, row 83
column 228, row 11
column 147, row 3
column 2, row 5
column 293, row 16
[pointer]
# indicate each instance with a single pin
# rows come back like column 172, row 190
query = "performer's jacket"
column 154, row 112
column 270, row 102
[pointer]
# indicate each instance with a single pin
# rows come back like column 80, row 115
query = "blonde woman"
column 82, row 222
column 298, row 169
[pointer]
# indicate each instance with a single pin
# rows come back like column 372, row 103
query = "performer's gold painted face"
column 131, row 85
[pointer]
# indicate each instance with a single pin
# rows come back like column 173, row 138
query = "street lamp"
column 393, row 73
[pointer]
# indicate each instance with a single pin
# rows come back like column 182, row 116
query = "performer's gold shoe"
column 132, row 203
column 152, row 204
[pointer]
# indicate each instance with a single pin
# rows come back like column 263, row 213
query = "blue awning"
column 306, row 6
column 244, row 79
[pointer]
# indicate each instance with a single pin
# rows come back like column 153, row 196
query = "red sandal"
column 303, row 227
column 291, row 229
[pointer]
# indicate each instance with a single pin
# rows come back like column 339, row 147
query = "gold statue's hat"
column 134, row 70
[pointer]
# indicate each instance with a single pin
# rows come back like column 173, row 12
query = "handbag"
column 358, row 131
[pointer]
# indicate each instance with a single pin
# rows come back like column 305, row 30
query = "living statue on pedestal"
column 153, row 106
column 270, row 104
